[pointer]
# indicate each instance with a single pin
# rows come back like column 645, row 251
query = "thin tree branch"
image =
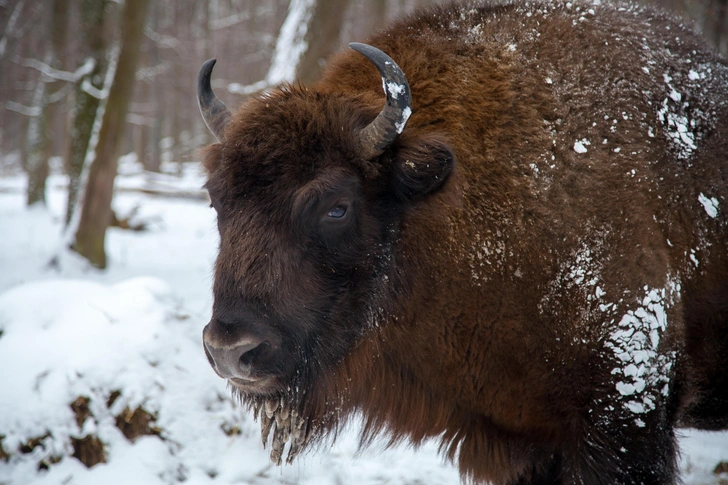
column 55, row 74
column 149, row 73
column 229, row 21
column 22, row 109
column 166, row 42
column 247, row 90
column 60, row 94
column 140, row 120
column 92, row 90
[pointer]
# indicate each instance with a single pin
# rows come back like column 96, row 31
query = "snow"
column 701, row 452
column 694, row 76
column 645, row 373
column 677, row 124
column 394, row 89
column 406, row 113
column 580, row 146
column 710, row 204
column 694, row 258
column 136, row 328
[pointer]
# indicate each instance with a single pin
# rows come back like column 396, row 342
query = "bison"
column 520, row 250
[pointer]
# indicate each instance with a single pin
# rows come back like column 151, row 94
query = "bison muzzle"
column 520, row 250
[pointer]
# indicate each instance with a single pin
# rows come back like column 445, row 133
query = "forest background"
column 105, row 366
column 85, row 81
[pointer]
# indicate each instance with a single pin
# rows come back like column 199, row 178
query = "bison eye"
column 337, row 212
column 337, row 218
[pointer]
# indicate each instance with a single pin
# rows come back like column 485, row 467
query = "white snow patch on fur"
column 635, row 343
column 710, row 205
column 580, row 146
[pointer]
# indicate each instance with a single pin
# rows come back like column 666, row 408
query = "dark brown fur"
column 477, row 295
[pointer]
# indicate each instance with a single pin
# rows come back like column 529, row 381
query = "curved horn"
column 214, row 111
column 386, row 127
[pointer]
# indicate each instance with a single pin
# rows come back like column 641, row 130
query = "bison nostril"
column 248, row 358
column 234, row 361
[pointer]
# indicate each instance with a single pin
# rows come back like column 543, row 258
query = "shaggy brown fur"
column 535, row 273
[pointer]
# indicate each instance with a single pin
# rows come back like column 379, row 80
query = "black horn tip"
column 208, row 65
column 365, row 49
column 398, row 94
column 373, row 54
column 204, row 89
column 214, row 111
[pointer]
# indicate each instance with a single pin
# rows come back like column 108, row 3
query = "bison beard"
column 289, row 425
column 550, row 307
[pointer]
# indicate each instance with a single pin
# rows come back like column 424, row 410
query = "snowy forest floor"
column 127, row 342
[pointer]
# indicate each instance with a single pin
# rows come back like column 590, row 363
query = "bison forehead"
column 289, row 135
column 259, row 267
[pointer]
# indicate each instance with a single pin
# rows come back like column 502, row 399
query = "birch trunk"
column 92, row 21
column 36, row 163
column 96, row 210
column 309, row 34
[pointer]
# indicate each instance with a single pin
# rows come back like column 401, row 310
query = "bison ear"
column 421, row 166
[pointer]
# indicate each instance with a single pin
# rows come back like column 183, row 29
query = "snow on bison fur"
column 533, row 271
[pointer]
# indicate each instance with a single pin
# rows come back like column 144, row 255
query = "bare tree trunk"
column 308, row 35
column 39, row 142
column 154, row 162
column 291, row 43
column 715, row 25
column 9, row 29
column 96, row 211
column 176, row 148
column 322, row 38
column 377, row 18
column 87, row 104
column 36, row 163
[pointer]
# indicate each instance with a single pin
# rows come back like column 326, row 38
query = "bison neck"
column 444, row 363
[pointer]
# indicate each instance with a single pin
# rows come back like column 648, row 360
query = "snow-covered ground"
column 127, row 341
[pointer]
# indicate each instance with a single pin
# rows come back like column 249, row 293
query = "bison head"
column 311, row 187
